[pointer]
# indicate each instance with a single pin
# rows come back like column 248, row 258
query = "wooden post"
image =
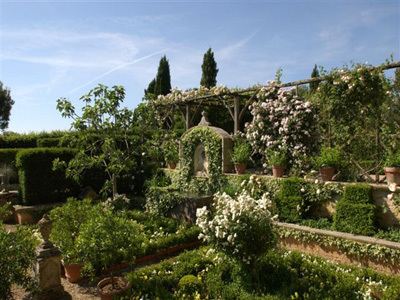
column 187, row 117
column 236, row 115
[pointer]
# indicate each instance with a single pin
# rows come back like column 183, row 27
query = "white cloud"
column 227, row 52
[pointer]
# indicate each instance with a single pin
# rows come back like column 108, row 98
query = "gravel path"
column 86, row 289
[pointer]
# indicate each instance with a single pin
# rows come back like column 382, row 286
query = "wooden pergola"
column 232, row 100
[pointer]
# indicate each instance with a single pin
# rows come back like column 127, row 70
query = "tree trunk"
column 114, row 186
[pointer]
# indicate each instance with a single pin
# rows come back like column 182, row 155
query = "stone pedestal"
column 48, row 266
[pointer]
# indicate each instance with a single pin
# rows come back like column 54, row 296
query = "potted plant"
column 106, row 240
column 392, row 168
column 277, row 160
column 67, row 220
column 170, row 151
column 328, row 161
column 241, row 156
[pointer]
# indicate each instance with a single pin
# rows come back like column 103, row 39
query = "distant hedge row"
column 31, row 140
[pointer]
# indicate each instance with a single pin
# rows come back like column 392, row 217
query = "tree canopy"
column 210, row 71
column 6, row 103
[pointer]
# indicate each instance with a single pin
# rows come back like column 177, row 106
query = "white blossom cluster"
column 240, row 227
column 281, row 121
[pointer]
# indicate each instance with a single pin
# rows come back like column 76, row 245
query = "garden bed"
column 282, row 275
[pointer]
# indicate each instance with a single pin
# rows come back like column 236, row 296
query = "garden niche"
column 205, row 150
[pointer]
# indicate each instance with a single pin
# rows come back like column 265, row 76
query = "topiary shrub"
column 39, row 183
column 354, row 218
column 291, row 186
column 358, row 194
column 289, row 208
column 189, row 284
column 290, row 200
column 355, row 212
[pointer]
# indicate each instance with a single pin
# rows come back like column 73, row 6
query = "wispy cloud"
column 227, row 52
column 117, row 68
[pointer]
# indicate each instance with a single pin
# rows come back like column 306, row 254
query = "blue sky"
column 53, row 49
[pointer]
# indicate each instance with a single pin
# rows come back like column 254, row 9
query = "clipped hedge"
column 358, row 194
column 289, row 200
column 355, row 212
column 39, row 183
column 48, row 142
column 292, row 186
column 355, row 218
column 17, row 141
column 289, row 208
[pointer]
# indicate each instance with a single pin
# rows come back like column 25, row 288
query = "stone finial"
column 45, row 226
column 204, row 119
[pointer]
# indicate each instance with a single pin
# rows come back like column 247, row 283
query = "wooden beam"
column 288, row 84
column 248, row 102
column 228, row 107
column 187, row 117
column 236, row 115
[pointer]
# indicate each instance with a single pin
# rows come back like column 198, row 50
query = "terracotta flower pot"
column 73, row 272
column 171, row 165
column 392, row 175
column 240, row 168
column 106, row 291
column 326, row 173
column 277, row 171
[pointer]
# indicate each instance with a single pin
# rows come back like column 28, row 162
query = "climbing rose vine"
column 282, row 122
column 241, row 227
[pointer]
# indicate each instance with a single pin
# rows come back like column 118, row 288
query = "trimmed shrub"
column 39, row 183
column 289, row 208
column 289, row 200
column 48, row 142
column 291, row 187
column 358, row 194
column 354, row 218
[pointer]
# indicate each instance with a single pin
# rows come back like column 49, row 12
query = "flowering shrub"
column 281, row 121
column 241, row 227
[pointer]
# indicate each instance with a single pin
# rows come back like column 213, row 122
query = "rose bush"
column 282, row 122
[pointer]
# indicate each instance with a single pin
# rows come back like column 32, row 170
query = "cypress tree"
column 314, row 85
column 210, row 71
column 163, row 79
column 151, row 87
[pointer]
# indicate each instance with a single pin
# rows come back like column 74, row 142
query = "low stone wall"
column 332, row 252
